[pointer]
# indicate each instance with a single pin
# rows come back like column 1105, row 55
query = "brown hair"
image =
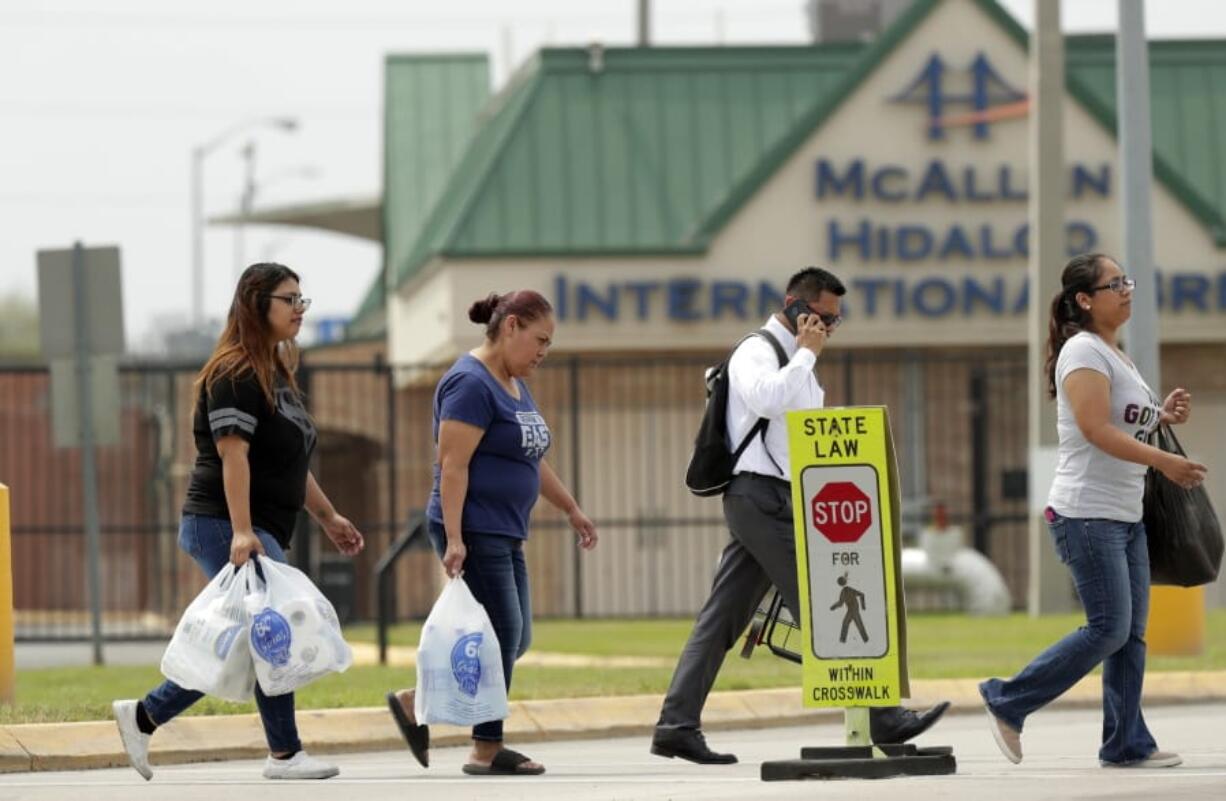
column 243, row 346
column 1067, row 318
column 491, row 310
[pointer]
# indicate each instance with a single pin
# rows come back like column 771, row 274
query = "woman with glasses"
column 251, row 479
column 1105, row 412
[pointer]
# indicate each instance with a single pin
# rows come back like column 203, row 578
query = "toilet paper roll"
column 326, row 613
column 209, row 635
column 310, row 651
column 224, row 609
column 310, row 656
column 301, row 615
column 227, row 643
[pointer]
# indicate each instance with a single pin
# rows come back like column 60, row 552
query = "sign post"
column 7, row 674
column 83, row 347
column 845, row 499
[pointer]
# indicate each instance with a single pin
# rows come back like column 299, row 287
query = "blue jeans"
column 495, row 572
column 207, row 540
column 1110, row 566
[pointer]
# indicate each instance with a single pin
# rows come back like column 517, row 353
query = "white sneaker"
column 1008, row 739
column 300, row 766
column 135, row 742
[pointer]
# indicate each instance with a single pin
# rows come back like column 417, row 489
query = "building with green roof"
column 663, row 194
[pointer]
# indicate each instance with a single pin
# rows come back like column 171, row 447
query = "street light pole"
column 245, row 201
column 199, row 153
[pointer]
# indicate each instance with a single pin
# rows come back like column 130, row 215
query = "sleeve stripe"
column 232, row 412
column 231, row 422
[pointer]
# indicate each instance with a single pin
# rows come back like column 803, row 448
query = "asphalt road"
column 1059, row 764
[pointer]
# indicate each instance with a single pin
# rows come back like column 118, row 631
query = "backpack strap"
column 780, row 354
column 759, row 428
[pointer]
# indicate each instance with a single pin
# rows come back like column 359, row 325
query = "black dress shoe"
column 687, row 744
column 892, row 725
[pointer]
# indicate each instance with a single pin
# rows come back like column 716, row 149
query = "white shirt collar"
column 786, row 338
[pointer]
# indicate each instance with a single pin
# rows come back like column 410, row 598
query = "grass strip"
column 942, row 646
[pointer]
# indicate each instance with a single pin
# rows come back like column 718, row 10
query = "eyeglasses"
column 296, row 301
column 1120, row 284
column 831, row 321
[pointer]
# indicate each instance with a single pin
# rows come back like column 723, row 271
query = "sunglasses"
column 831, row 321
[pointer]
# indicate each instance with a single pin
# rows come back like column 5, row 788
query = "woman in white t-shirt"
column 1104, row 415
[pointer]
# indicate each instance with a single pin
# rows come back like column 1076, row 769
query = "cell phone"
column 793, row 311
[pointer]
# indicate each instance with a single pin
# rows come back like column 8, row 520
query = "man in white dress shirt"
column 758, row 508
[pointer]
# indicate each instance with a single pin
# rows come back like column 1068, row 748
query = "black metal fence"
column 622, row 428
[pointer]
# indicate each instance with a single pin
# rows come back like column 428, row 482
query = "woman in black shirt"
column 251, row 478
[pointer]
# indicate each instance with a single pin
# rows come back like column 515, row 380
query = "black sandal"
column 505, row 763
column 416, row 735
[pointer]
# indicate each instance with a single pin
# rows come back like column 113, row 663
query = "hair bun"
column 482, row 311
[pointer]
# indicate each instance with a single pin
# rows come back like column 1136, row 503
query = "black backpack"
column 710, row 469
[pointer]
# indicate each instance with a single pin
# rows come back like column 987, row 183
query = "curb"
column 78, row 746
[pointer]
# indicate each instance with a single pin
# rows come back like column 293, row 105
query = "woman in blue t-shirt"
column 1104, row 413
column 490, row 471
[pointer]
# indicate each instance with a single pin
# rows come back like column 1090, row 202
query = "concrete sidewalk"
column 68, row 746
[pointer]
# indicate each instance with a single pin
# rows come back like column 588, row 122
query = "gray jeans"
column 761, row 552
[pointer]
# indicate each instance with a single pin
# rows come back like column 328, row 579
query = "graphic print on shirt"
column 1146, row 416
column 290, row 407
column 534, row 434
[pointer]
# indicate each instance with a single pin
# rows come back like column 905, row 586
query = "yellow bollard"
column 6, row 601
column 1176, row 621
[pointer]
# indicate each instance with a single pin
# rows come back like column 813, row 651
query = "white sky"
column 102, row 103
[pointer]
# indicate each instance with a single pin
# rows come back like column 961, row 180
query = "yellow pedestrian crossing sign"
column 845, row 502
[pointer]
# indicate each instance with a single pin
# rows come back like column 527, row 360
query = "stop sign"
column 841, row 512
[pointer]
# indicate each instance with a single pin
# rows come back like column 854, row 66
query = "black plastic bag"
column 1185, row 537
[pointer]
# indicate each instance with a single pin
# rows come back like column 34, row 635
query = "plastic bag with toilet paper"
column 459, row 663
column 208, row 651
column 295, row 635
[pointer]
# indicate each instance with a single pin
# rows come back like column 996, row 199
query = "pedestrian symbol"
column 853, row 600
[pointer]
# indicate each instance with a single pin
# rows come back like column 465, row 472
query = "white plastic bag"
column 459, row 663
column 208, row 651
column 295, row 634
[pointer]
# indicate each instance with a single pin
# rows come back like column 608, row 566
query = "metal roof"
column 1187, row 108
column 621, row 151
column 432, row 108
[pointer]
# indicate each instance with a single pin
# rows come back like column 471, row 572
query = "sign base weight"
column 858, row 762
